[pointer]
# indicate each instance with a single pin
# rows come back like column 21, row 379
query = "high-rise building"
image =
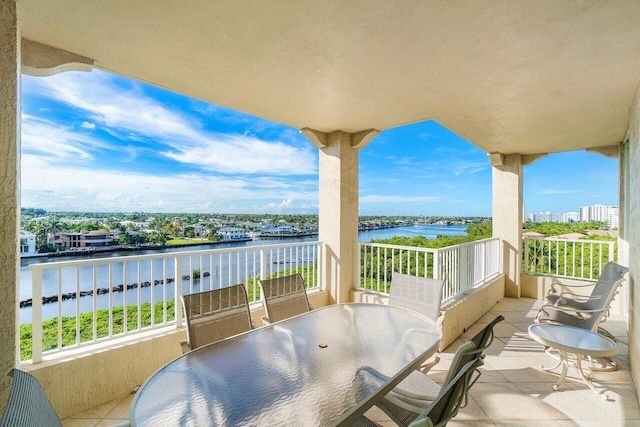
column 608, row 214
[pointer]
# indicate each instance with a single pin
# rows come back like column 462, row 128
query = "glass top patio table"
column 310, row 370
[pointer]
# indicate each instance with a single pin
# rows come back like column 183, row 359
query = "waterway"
column 51, row 280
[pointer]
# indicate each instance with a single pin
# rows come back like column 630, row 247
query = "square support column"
column 507, row 218
column 9, row 191
column 338, row 215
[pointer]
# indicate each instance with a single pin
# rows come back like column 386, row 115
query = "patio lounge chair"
column 28, row 405
column 283, row 297
column 586, row 312
column 416, row 392
column 215, row 315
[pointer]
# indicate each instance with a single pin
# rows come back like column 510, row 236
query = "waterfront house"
column 27, row 243
column 520, row 80
column 231, row 233
column 82, row 239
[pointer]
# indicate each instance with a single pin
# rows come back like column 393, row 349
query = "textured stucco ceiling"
column 511, row 76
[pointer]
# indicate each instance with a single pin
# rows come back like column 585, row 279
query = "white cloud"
column 130, row 112
column 245, row 155
column 552, row 191
column 51, row 140
column 87, row 189
column 88, row 125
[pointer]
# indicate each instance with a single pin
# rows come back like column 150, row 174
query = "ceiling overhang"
column 511, row 77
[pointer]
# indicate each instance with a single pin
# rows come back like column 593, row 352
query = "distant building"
column 27, row 243
column 542, row 217
column 231, row 233
column 83, row 239
column 571, row 217
column 608, row 214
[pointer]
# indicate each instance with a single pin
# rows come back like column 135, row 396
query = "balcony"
column 137, row 344
column 512, row 389
column 556, row 78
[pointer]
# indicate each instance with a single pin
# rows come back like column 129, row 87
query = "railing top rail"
column 559, row 239
column 411, row 248
column 434, row 250
column 132, row 258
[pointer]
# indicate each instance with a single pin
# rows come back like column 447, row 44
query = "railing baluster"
column 36, row 316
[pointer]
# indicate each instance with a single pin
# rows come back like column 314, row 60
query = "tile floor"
column 512, row 391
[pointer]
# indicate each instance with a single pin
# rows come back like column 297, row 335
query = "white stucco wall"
column 9, row 191
column 631, row 235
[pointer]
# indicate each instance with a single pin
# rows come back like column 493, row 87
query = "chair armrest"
column 565, row 297
column 553, row 289
column 185, row 346
column 547, row 309
column 265, row 320
column 426, row 367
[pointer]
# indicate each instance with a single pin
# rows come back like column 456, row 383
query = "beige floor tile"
column 527, row 423
column 469, row 423
column 489, row 376
column 513, row 317
column 589, row 423
column 472, row 411
column 505, row 402
column 376, row 415
column 620, row 405
column 121, row 410
column 506, row 330
column 564, row 404
column 110, row 422
column 80, row 422
column 98, row 411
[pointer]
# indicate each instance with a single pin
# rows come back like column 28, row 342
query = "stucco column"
column 338, row 210
column 9, row 191
column 507, row 217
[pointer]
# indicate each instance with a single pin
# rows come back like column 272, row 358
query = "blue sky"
column 100, row 142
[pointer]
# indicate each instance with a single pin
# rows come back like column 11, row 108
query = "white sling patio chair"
column 416, row 392
column 585, row 312
column 215, row 315
column 28, row 405
column 445, row 405
column 421, row 295
column 283, row 297
column 417, row 293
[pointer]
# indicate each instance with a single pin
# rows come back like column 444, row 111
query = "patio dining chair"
column 416, row 392
column 585, row 312
column 215, row 315
column 445, row 405
column 28, row 405
column 283, row 297
column 420, row 294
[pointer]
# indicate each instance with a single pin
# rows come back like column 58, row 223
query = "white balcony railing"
column 82, row 301
column 461, row 266
column 575, row 259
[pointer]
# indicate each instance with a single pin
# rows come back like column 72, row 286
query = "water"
column 159, row 292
